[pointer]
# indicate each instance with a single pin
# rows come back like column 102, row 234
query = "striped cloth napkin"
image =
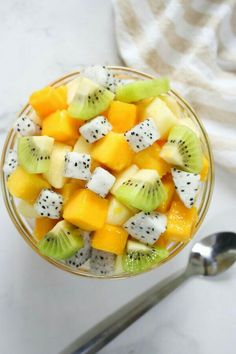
column 193, row 42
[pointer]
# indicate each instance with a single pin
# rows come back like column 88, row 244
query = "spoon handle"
column 112, row 326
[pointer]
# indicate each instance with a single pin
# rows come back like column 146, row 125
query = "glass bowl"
column 25, row 226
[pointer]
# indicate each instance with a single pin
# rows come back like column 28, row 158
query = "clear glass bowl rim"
column 18, row 221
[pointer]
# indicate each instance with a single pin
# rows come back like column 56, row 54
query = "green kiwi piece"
column 143, row 191
column 34, row 153
column 139, row 257
column 183, row 149
column 87, row 99
column 62, row 242
column 141, row 89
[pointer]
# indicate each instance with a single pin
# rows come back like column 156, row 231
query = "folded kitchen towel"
column 193, row 42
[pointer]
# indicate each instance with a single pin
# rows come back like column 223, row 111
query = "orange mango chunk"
column 205, row 169
column 48, row 100
column 62, row 90
column 122, row 116
column 149, row 158
column 68, row 190
column 86, row 210
column 24, row 185
column 110, row 238
column 60, row 126
column 162, row 241
column 180, row 222
column 170, row 190
column 113, row 152
column 42, row 227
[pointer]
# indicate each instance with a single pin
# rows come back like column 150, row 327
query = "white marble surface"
column 42, row 310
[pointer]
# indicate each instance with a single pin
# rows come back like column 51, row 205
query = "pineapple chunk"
column 56, row 168
column 162, row 116
column 172, row 104
column 118, row 213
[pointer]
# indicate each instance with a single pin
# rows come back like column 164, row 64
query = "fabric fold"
column 194, row 44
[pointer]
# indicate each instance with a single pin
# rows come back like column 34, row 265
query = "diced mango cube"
column 205, row 169
column 122, row 116
column 68, row 190
column 86, row 209
column 113, row 151
column 110, row 238
column 24, row 185
column 170, row 190
column 162, row 241
column 62, row 90
column 60, row 126
column 181, row 222
column 42, row 227
column 48, row 100
column 149, row 158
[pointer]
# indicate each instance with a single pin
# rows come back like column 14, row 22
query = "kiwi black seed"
column 62, row 242
column 34, row 153
column 183, row 149
column 143, row 191
column 136, row 261
column 90, row 99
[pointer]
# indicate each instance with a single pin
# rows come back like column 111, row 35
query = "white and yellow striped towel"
column 194, row 43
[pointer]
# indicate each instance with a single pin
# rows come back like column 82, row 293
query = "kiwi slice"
column 141, row 89
column 62, row 242
column 34, row 153
column 183, row 149
column 87, row 99
column 143, row 191
column 139, row 257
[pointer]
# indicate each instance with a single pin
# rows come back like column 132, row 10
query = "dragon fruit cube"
column 101, row 262
column 26, row 127
column 146, row 227
column 95, row 129
column 49, row 204
column 101, row 181
column 77, row 165
column 10, row 163
column 142, row 135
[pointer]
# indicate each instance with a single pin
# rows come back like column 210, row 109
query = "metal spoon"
column 210, row 256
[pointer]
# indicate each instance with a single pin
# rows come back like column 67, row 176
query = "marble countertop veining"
column 42, row 310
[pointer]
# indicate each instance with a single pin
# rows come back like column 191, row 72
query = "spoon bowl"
column 210, row 256
column 213, row 254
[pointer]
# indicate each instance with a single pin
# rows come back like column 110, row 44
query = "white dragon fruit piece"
column 101, row 181
column 95, row 129
column 10, row 163
column 102, row 76
column 146, row 227
column 101, row 262
column 187, row 186
column 26, row 127
column 77, row 165
column 49, row 204
column 83, row 254
column 142, row 135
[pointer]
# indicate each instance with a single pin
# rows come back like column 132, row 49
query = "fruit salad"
column 109, row 172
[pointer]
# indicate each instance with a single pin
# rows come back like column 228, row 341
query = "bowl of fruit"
column 107, row 172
